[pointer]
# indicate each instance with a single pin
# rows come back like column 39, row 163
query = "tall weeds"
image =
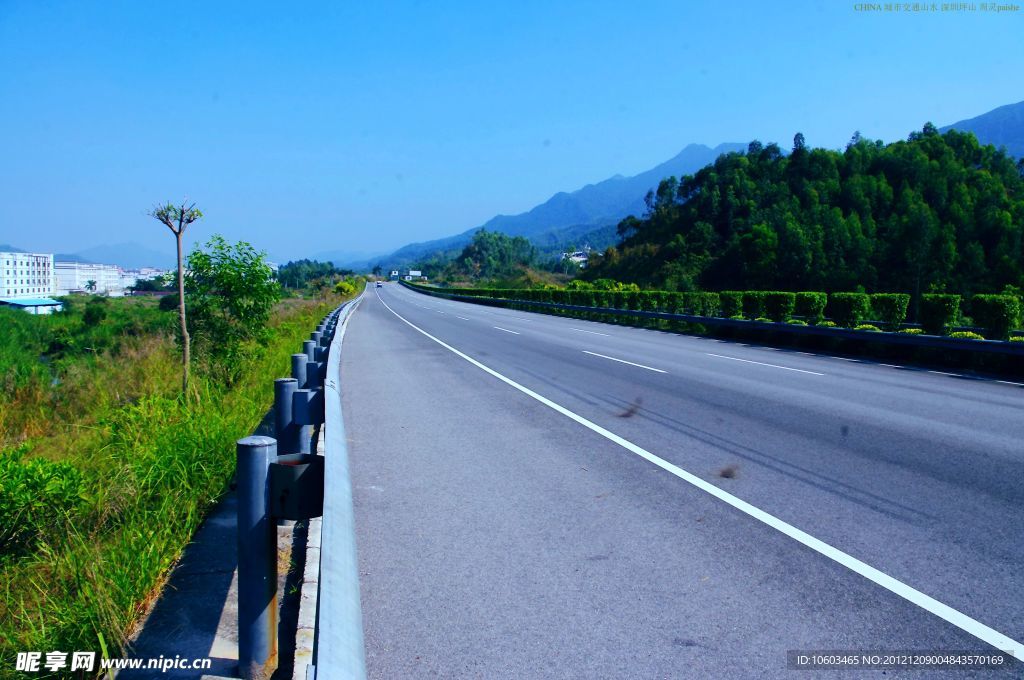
column 147, row 464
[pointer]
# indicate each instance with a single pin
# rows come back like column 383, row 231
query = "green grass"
column 127, row 467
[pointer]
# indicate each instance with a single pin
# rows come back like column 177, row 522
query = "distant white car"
column 379, row 284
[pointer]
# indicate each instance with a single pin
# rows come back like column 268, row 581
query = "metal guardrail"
column 279, row 478
column 338, row 650
column 878, row 337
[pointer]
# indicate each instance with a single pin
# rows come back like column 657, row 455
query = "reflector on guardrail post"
column 257, row 561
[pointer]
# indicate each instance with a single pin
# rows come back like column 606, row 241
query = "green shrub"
column 1017, row 338
column 890, row 309
column 827, row 324
column 617, row 299
column 704, row 304
column 796, row 322
column 738, row 317
column 633, row 300
column 779, row 305
column 753, row 303
column 732, row 303
column 763, row 319
column 937, row 312
column 966, row 335
column 997, row 314
column 675, row 303
column 868, row 327
column 35, row 495
column 95, row 311
column 912, row 331
column 810, row 305
column 168, row 302
column 581, row 297
column 848, row 309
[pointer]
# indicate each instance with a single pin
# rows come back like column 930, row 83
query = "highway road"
column 540, row 496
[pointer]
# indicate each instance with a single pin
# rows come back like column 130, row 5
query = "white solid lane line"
column 506, row 330
column 580, row 330
column 623, row 361
column 761, row 363
column 979, row 630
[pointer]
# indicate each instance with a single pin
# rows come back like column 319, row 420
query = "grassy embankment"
column 105, row 472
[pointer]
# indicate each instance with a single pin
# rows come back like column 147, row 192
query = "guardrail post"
column 299, row 362
column 289, row 434
column 313, row 376
column 309, row 347
column 257, row 561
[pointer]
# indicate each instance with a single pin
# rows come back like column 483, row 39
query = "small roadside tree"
column 90, row 286
column 177, row 218
column 231, row 291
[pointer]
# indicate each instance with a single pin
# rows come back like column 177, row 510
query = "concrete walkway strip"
column 970, row 625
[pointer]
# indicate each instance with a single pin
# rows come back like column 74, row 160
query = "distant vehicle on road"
column 379, row 284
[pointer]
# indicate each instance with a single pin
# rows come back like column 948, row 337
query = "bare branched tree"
column 177, row 218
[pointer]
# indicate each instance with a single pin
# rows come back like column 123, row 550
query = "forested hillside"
column 938, row 212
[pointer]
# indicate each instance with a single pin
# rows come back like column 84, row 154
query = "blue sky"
column 305, row 127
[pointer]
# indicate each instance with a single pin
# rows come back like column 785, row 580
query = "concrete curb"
column 305, row 630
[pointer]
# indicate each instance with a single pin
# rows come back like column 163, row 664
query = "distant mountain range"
column 1002, row 127
column 584, row 216
column 126, row 255
column 589, row 215
column 344, row 257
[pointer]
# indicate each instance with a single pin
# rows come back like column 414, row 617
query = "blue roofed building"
column 26, row 282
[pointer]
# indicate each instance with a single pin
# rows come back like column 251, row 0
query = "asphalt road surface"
column 540, row 496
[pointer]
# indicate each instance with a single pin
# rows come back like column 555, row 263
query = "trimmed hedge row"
column 997, row 314
column 848, row 309
column 937, row 312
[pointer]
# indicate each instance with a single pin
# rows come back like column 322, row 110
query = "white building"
column 26, row 281
column 81, row 277
column 580, row 257
column 131, row 277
